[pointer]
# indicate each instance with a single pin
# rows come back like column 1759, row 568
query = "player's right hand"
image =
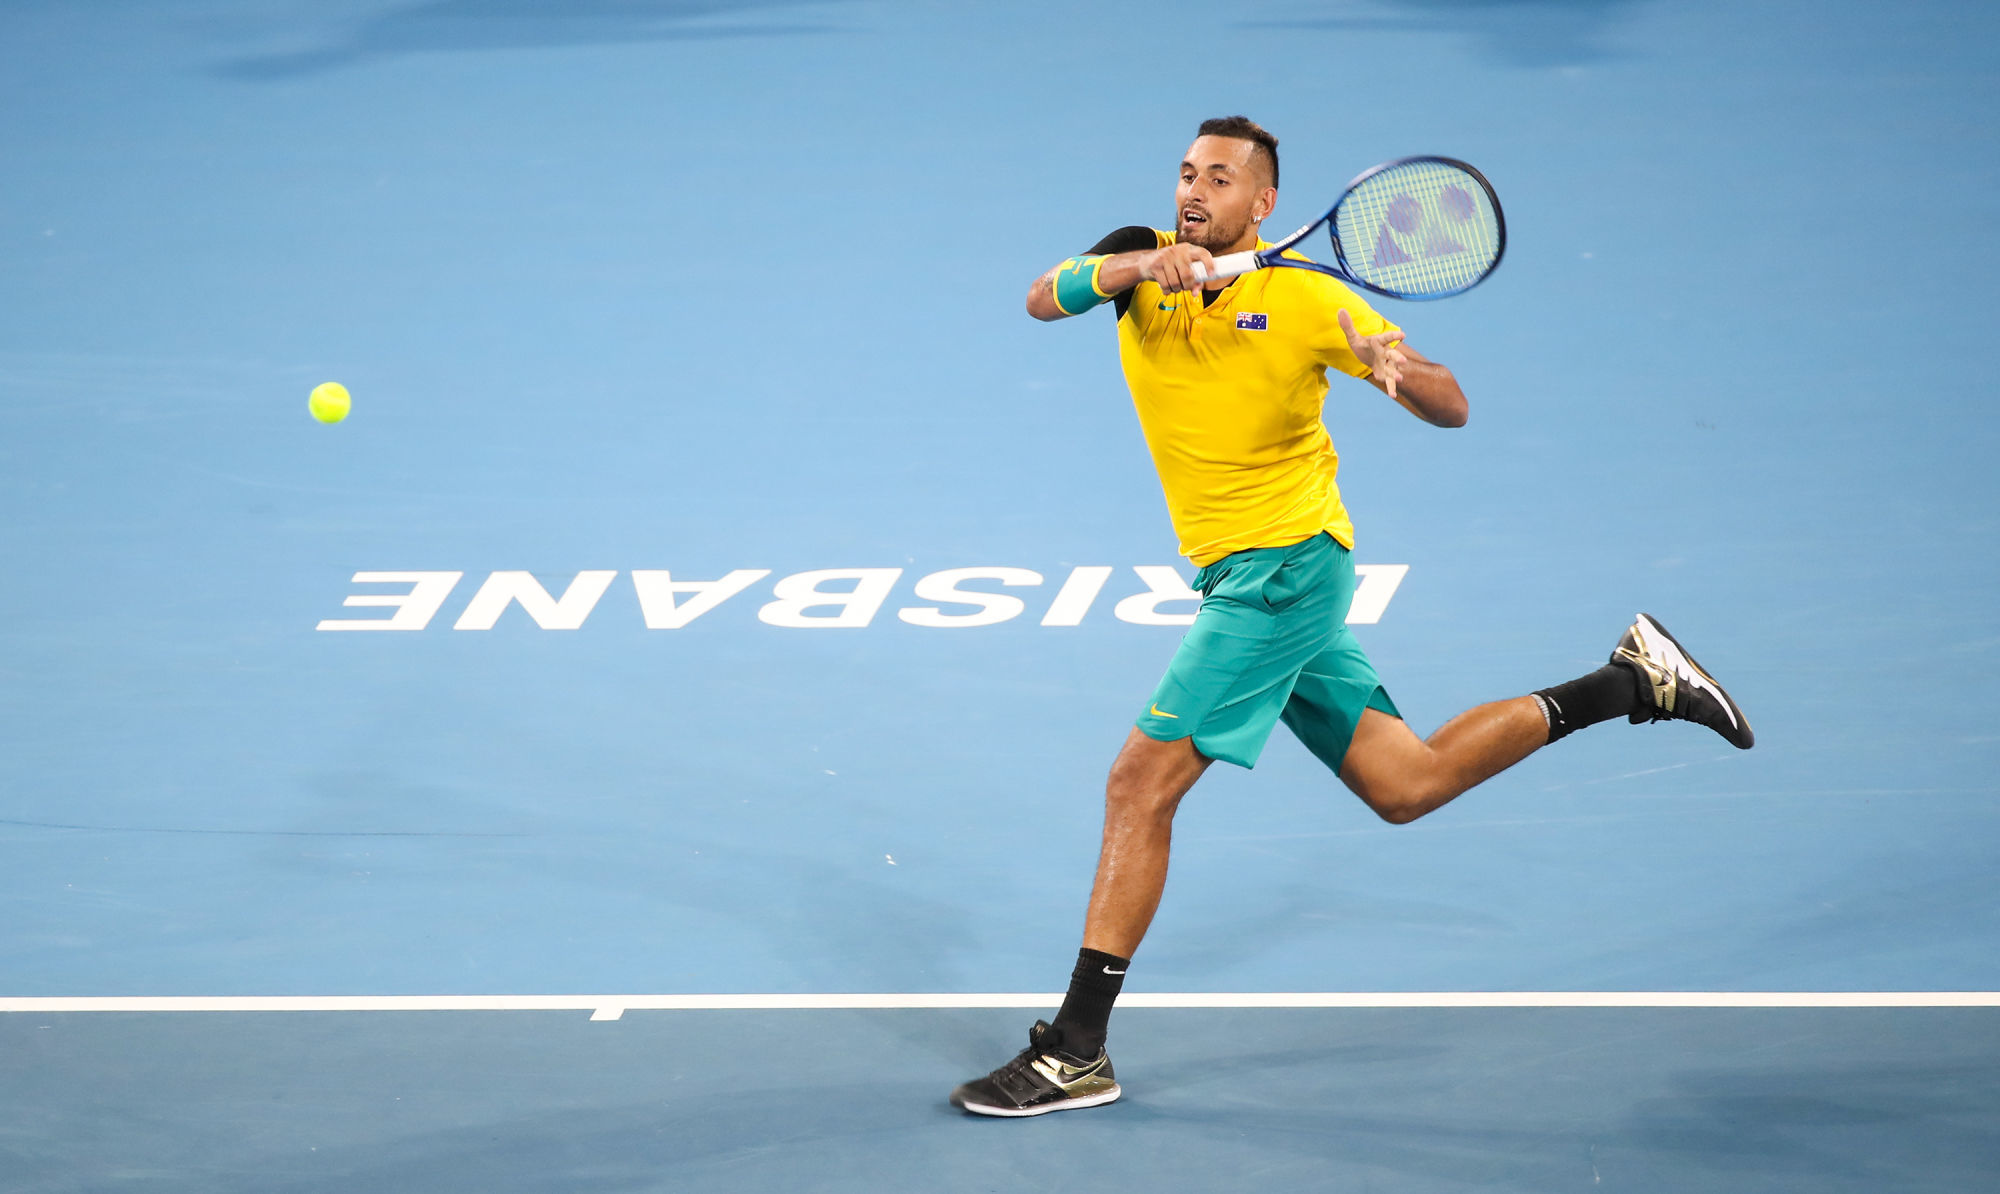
column 1173, row 266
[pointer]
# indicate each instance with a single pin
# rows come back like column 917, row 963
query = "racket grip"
column 1227, row 266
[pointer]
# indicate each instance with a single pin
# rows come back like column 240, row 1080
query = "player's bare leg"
column 1402, row 776
column 1145, row 788
column 1065, row 1064
column 1649, row 678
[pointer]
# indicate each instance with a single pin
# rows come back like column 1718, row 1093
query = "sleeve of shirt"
column 1133, row 238
column 1332, row 343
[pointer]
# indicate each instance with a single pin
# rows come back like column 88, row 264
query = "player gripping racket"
column 1415, row 228
column 1226, row 341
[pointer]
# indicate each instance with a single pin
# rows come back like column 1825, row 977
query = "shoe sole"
column 1097, row 1100
column 1749, row 735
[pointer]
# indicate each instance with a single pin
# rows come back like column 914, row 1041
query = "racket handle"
column 1227, row 266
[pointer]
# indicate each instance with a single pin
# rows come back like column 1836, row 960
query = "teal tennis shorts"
column 1270, row 644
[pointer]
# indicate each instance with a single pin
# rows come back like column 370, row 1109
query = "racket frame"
column 1229, row 265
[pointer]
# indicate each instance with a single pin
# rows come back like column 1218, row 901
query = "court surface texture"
column 770, row 595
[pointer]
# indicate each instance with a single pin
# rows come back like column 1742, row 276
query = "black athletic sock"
column 1610, row 691
column 1086, row 1010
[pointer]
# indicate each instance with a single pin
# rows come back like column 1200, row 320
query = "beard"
column 1211, row 234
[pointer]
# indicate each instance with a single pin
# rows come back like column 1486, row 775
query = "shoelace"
column 1647, row 668
column 1024, row 1061
column 1018, row 1081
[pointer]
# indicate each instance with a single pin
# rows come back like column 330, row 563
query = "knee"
column 1396, row 774
column 1135, row 792
column 1398, row 813
column 1401, row 802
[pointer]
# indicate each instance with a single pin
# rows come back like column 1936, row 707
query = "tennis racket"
column 1414, row 228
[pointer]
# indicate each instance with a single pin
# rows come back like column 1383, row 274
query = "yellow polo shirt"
column 1229, row 396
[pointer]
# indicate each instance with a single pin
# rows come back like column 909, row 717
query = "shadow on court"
column 1520, row 33
column 517, row 1102
column 465, row 26
column 1842, row 1127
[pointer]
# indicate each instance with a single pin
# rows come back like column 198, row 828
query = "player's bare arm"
column 1225, row 191
column 1424, row 388
column 1172, row 267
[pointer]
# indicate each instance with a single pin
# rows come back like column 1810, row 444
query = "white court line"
column 611, row 1007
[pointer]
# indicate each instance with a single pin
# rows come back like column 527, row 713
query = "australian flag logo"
column 1252, row 321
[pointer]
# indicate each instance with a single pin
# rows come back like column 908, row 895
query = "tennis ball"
column 329, row 402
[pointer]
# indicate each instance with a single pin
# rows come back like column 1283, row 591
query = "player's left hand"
column 1379, row 352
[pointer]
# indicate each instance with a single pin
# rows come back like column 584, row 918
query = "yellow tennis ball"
column 329, row 402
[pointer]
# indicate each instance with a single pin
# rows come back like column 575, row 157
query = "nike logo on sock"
column 1109, row 970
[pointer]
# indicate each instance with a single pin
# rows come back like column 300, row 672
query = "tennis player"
column 1229, row 378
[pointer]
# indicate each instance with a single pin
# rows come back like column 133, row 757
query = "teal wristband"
column 1076, row 284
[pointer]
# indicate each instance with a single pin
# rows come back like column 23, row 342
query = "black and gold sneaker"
column 1673, row 685
column 1041, row 1079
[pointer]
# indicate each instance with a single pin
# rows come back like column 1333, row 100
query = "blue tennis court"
column 574, row 771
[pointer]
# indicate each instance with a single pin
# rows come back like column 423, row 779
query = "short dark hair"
column 1244, row 129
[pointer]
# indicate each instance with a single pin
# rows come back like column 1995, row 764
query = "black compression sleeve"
column 1129, row 239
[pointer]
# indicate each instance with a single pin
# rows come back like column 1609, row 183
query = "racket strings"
column 1422, row 228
